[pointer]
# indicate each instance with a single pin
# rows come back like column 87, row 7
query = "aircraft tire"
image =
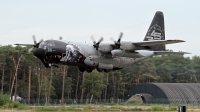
column 99, row 70
column 89, row 71
column 106, row 70
column 81, row 69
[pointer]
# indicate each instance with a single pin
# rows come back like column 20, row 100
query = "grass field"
column 99, row 108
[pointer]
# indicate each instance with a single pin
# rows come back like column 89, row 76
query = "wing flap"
column 156, row 42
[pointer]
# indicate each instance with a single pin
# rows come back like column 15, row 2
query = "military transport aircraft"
column 104, row 56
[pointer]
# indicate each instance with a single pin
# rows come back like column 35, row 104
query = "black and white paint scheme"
column 105, row 56
column 155, row 33
column 72, row 54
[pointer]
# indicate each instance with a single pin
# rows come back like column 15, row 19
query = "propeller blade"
column 93, row 40
column 40, row 41
column 34, row 40
column 120, row 36
column 96, row 44
column 117, row 43
column 100, row 40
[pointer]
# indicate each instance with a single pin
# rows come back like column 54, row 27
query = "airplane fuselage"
column 85, row 56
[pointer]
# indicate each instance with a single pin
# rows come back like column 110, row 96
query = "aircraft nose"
column 39, row 52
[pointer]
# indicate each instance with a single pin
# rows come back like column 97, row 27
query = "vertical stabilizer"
column 156, row 31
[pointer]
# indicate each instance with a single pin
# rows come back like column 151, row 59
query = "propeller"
column 117, row 43
column 96, row 44
column 36, row 44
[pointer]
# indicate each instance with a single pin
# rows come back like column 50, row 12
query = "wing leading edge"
column 156, row 42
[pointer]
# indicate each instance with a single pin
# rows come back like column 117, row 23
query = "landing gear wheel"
column 99, row 69
column 106, row 70
column 81, row 69
column 89, row 70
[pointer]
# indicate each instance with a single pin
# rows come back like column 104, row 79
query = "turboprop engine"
column 128, row 46
column 117, row 52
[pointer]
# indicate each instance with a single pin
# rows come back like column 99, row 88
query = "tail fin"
column 156, row 31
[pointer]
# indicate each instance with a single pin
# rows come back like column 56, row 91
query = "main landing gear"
column 101, row 70
column 89, row 70
column 83, row 69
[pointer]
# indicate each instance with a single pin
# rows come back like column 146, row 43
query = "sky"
column 77, row 20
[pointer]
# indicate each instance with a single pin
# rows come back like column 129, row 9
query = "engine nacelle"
column 128, row 46
column 117, row 52
column 103, row 47
column 92, row 60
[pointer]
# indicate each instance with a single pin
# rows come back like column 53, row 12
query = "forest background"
column 22, row 74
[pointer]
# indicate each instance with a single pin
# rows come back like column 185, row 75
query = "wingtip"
column 187, row 53
column 176, row 40
column 181, row 40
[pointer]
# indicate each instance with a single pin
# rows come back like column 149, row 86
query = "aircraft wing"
column 156, row 42
column 169, row 52
column 25, row 44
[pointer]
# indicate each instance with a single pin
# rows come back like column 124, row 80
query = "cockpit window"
column 51, row 44
column 42, row 44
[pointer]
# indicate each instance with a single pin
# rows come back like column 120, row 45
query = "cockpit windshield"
column 42, row 44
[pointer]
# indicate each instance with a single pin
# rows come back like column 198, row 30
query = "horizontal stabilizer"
column 156, row 42
column 169, row 52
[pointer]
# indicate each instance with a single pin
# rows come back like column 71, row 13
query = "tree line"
column 24, row 75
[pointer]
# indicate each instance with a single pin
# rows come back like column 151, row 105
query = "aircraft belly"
column 114, row 61
column 119, row 62
column 125, row 61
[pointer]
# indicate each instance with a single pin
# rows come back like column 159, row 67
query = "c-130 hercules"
column 104, row 56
